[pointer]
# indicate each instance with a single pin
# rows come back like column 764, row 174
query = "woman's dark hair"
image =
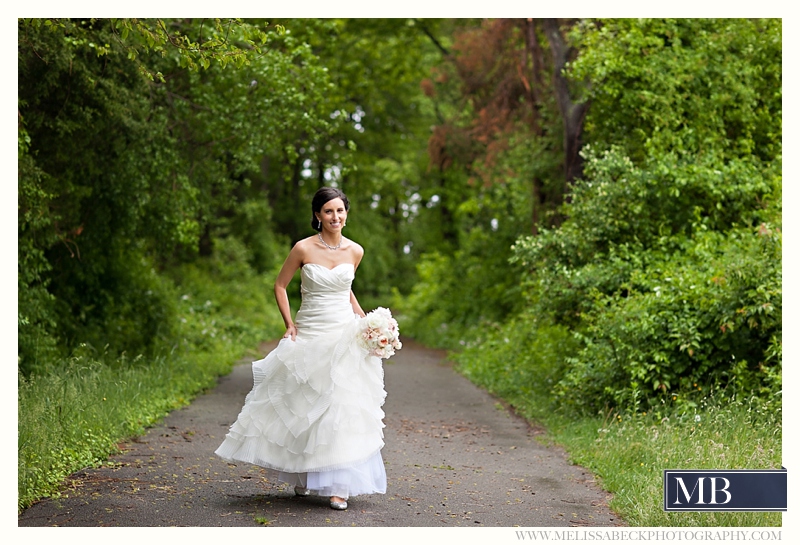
column 323, row 195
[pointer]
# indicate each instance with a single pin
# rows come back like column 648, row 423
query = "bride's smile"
column 333, row 215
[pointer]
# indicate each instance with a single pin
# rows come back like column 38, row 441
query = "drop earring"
column 319, row 223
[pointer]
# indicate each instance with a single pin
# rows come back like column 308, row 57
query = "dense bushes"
column 658, row 305
column 707, row 316
column 521, row 360
column 74, row 412
column 665, row 262
column 652, row 266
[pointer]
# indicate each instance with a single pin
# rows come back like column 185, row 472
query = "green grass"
column 75, row 415
column 629, row 451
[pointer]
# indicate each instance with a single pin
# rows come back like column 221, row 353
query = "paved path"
column 454, row 457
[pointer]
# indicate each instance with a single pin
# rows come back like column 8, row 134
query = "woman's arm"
column 356, row 307
column 293, row 262
column 358, row 253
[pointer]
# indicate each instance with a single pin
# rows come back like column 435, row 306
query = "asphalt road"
column 454, row 457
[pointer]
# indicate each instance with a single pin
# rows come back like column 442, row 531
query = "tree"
column 130, row 151
column 376, row 151
column 667, row 265
column 514, row 85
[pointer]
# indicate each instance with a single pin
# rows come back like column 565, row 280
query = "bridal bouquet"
column 379, row 333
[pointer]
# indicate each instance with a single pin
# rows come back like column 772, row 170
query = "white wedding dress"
column 314, row 414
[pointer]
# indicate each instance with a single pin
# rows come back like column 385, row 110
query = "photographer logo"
column 725, row 490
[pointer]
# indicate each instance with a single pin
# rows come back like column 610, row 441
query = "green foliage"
column 520, row 361
column 696, row 86
column 225, row 297
column 84, row 194
column 667, row 267
column 121, row 176
column 709, row 315
column 194, row 45
column 622, row 217
column 457, row 295
column 35, row 329
column 669, row 275
column 74, row 413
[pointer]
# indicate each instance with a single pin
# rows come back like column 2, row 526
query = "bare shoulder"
column 356, row 252
column 302, row 248
column 356, row 248
column 303, row 244
column 295, row 260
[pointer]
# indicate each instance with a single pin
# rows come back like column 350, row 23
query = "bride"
column 313, row 416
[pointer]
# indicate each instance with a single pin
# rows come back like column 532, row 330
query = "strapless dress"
column 314, row 416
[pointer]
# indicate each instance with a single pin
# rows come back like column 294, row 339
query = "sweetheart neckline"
column 324, row 267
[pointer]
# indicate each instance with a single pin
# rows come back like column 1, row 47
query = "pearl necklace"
column 326, row 244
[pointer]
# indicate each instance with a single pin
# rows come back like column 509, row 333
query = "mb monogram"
column 725, row 490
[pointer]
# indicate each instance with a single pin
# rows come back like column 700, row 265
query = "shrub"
column 621, row 216
column 521, row 360
column 708, row 316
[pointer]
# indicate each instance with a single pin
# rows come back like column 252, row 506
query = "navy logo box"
column 725, row 489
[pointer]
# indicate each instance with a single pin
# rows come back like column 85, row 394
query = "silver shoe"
column 340, row 505
column 301, row 491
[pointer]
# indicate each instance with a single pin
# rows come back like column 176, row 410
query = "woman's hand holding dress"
column 291, row 331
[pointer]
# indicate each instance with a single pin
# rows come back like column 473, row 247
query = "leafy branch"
column 230, row 41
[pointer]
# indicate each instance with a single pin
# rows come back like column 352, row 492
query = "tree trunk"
column 534, row 95
column 572, row 113
column 446, row 215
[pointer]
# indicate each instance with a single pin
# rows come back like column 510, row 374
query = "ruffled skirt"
column 314, row 415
